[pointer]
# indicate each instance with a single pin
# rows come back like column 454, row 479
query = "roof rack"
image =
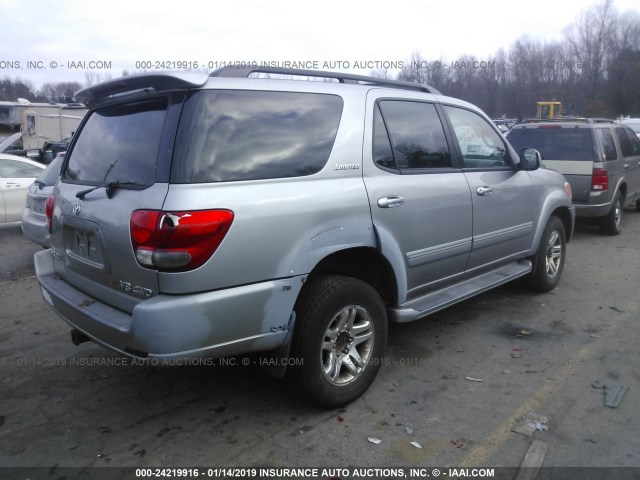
column 568, row 119
column 244, row 72
column 600, row 120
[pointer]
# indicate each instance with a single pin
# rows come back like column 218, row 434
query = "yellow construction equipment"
column 549, row 110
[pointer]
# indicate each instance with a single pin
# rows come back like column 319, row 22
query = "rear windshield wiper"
column 39, row 183
column 111, row 188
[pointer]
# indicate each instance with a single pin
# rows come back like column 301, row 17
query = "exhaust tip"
column 77, row 337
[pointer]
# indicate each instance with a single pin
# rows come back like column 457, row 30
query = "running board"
column 434, row 301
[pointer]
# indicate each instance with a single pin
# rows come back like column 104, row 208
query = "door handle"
column 626, row 165
column 482, row 191
column 390, row 201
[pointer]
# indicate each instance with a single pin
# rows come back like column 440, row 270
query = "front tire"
column 549, row 262
column 338, row 340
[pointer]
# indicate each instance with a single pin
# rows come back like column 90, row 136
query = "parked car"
column 10, row 141
column 16, row 174
column 219, row 216
column 600, row 159
column 34, row 219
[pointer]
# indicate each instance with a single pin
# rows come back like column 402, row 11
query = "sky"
column 51, row 41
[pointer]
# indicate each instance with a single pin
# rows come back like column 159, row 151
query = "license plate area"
column 84, row 246
column 36, row 204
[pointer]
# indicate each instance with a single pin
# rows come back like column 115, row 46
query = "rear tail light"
column 599, row 180
column 177, row 241
column 48, row 210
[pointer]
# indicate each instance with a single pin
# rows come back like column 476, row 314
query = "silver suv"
column 599, row 158
column 220, row 216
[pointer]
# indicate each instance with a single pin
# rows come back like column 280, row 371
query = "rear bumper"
column 227, row 322
column 584, row 210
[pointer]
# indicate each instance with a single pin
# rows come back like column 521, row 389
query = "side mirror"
column 530, row 159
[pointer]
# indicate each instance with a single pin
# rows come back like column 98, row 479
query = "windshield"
column 118, row 143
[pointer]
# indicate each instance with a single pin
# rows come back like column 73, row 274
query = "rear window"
column 229, row 135
column 50, row 174
column 118, row 143
column 555, row 142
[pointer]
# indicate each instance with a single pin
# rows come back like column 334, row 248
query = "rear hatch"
column 568, row 149
column 118, row 163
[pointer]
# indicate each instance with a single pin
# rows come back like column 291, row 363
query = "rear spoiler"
column 140, row 83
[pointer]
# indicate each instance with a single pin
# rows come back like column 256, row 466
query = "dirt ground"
column 78, row 406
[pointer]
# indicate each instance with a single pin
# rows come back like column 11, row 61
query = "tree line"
column 594, row 71
column 58, row 92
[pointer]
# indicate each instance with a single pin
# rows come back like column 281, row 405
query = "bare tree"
column 381, row 73
column 590, row 39
column 415, row 70
column 623, row 68
column 626, row 35
column 92, row 78
column 11, row 90
column 60, row 92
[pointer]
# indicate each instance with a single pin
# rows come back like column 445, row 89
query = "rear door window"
column 118, row 143
column 382, row 153
column 635, row 141
column 629, row 142
column 416, row 136
column 623, row 140
column 608, row 145
column 230, row 135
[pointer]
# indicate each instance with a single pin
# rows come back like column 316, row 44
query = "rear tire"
column 549, row 261
column 611, row 224
column 338, row 340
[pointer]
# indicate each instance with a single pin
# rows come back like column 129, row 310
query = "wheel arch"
column 564, row 214
column 364, row 263
column 556, row 204
column 622, row 188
